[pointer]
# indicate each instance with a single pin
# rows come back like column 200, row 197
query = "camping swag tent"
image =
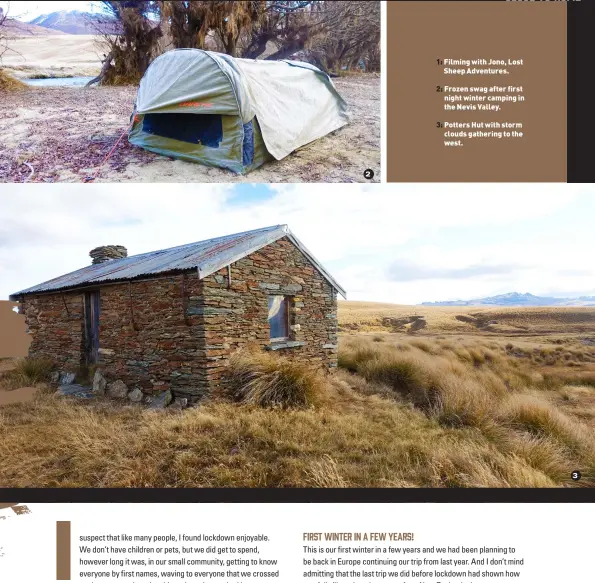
column 235, row 113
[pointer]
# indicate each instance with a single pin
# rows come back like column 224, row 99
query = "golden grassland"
column 373, row 316
column 444, row 408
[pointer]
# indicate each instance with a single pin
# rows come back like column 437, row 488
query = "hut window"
column 279, row 317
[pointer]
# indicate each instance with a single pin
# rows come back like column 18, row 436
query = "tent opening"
column 186, row 127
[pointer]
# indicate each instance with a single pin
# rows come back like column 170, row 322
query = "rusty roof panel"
column 206, row 256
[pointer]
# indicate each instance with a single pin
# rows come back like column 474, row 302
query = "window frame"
column 287, row 320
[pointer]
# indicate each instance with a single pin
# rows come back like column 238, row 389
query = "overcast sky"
column 391, row 243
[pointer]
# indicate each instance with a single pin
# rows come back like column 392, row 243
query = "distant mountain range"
column 17, row 28
column 515, row 299
column 75, row 22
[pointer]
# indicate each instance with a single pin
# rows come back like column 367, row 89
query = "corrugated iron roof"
column 207, row 256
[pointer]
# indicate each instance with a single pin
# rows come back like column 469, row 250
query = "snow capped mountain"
column 73, row 22
column 518, row 299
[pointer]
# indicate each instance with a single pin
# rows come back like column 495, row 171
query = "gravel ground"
column 63, row 135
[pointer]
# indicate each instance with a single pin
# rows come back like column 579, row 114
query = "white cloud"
column 359, row 232
column 28, row 10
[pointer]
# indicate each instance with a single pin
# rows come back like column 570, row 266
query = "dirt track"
column 63, row 134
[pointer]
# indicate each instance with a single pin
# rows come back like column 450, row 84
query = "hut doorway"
column 92, row 327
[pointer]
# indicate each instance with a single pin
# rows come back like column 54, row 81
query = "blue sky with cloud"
column 404, row 243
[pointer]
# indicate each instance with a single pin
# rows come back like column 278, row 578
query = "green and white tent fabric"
column 214, row 109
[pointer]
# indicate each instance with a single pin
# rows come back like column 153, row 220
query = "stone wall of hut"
column 177, row 332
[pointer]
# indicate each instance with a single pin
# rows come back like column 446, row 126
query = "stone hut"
column 170, row 319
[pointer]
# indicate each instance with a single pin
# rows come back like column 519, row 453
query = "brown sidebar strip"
column 63, row 550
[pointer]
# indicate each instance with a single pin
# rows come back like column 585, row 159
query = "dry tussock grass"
column 265, row 379
column 10, row 83
column 480, row 386
column 398, row 414
column 366, row 441
column 26, row 372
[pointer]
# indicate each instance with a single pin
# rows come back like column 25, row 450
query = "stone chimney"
column 107, row 253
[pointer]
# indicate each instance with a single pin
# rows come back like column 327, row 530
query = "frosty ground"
column 51, row 134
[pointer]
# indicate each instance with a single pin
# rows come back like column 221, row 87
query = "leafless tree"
column 130, row 33
column 351, row 36
column 7, row 81
column 332, row 35
column 189, row 22
column 243, row 28
column 286, row 26
column 3, row 32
